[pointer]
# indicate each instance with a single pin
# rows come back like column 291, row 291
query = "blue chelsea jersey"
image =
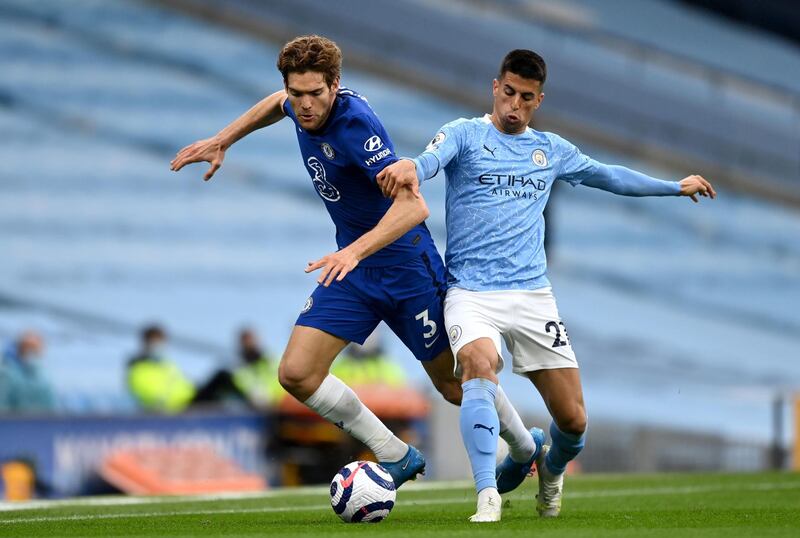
column 343, row 159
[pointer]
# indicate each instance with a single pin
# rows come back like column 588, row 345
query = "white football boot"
column 489, row 506
column 551, row 487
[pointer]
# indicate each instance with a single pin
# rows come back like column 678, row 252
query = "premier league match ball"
column 362, row 492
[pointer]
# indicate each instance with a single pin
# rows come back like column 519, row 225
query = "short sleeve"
column 371, row 149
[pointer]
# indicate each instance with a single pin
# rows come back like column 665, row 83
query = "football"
column 362, row 492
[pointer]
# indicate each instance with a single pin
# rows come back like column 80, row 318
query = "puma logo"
column 478, row 426
column 489, row 150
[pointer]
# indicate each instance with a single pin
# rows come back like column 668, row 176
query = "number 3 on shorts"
column 427, row 323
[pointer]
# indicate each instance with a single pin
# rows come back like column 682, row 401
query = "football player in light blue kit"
column 499, row 176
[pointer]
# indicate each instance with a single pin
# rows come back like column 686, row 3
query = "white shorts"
column 527, row 320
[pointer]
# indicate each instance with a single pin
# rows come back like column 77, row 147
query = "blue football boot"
column 510, row 474
column 412, row 464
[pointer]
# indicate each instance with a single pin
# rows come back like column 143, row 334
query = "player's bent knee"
column 287, row 377
column 475, row 364
column 295, row 380
column 482, row 368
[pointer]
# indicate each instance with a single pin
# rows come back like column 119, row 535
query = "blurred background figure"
column 24, row 387
column 155, row 382
column 158, row 384
column 368, row 364
column 256, row 374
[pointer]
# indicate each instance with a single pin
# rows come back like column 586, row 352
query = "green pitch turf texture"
column 668, row 505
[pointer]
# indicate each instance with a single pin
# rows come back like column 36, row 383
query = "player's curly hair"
column 311, row 53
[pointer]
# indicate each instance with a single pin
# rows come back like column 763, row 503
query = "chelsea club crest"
column 327, row 150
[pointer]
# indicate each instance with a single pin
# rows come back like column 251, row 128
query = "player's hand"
column 691, row 186
column 209, row 150
column 335, row 265
column 398, row 175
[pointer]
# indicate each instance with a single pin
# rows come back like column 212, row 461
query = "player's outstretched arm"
column 693, row 185
column 407, row 210
column 627, row 182
column 397, row 176
column 212, row 150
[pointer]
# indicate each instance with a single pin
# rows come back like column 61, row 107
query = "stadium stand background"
column 684, row 317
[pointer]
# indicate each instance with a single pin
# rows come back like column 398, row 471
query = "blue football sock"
column 480, row 429
column 564, row 447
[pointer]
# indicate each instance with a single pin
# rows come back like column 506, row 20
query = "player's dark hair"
column 311, row 53
column 525, row 63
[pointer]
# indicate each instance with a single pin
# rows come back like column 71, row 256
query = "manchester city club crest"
column 327, row 150
column 539, row 158
column 454, row 333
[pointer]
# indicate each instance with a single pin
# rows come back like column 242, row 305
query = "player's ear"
column 539, row 99
column 495, row 87
column 335, row 85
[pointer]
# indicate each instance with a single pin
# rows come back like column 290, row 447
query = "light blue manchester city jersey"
column 497, row 188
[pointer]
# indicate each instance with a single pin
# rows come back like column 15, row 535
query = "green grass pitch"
column 668, row 505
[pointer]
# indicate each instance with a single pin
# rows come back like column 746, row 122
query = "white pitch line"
column 121, row 500
column 766, row 486
column 427, row 502
column 84, row 517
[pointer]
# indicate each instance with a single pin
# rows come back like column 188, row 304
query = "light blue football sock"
column 564, row 447
column 480, row 429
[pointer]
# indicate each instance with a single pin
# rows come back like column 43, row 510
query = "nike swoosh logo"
column 349, row 480
column 405, row 465
column 432, row 341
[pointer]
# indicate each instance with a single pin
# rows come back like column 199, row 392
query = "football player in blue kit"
column 499, row 175
column 387, row 267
